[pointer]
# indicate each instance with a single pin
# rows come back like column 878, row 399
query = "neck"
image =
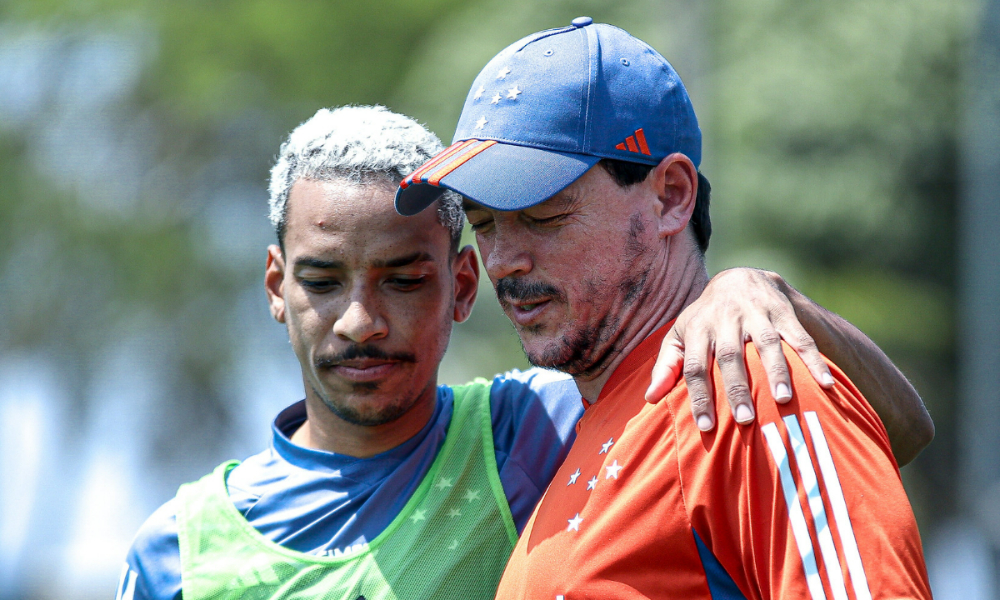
column 325, row 430
column 678, row 286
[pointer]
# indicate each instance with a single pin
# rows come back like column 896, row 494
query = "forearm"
column 893, row 397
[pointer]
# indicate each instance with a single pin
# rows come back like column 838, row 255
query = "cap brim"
column 501, row 176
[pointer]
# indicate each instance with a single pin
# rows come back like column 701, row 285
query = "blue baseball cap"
column 549, row 107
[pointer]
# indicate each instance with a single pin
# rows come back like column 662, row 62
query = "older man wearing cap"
column 578, row 151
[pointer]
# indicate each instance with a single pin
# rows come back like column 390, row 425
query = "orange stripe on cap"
column 620, row 146
column 467, row 146
column 630, row 141
column 458, row 162
column 435, row 161
column 641, row 138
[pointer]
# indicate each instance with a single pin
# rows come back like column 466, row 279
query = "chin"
column 369, row 415
column 369, row 404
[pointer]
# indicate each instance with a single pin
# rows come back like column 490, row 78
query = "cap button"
column 582, row 21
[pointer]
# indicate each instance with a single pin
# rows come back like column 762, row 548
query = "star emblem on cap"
column 503, row 73
column 612, row 471
column 481, row 123
column 513, row 92
column 479, row 93
column 496, row 99
column 574, row 523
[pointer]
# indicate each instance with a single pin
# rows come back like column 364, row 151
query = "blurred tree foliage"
column 830, row 141
column 833, row 150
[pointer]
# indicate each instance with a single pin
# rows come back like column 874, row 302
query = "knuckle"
column 737, row 392
column 694, row 368
column 769, row 337
column 804, row 341
column 728, row 354
column 700, row 403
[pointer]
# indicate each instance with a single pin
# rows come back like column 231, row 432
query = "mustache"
column 362, row 351
column 511, row 288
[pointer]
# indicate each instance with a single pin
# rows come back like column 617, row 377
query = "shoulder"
column 835, row 422
column 841, row 407
column 517, row 390
column 154, row 558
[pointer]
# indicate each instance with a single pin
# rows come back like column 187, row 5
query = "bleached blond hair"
column 363, row 145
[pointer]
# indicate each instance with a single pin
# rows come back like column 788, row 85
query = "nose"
column 507, row 252
column 360, row 323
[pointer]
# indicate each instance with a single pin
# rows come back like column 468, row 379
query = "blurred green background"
column 136, row 350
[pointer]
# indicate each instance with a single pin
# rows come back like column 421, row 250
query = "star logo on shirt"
column 574, row 477
column 419, row 515
column 479, row 93
column 513, row 92
column 454, row 512
column 607, row 446
column 592, row 483
column 471, row 495
column 453, row 545
column 444, row 482
column 612, row 471
column 481, row 123
column 574, row 523
column 496, row 99
column 503, row 73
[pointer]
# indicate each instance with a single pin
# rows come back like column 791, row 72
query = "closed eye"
column 406, row 284
column 480, row 226
column 319, row 286
column 553, row 220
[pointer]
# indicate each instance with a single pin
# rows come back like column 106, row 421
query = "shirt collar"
column 292, row 417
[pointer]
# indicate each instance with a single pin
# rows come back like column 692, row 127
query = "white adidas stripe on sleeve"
column 795, row 516
column 808, row 475
column 836, row 496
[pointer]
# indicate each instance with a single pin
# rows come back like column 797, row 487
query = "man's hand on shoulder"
column 742, row 305
column 737, row 306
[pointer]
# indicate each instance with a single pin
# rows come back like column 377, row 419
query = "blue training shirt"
column 324, row 503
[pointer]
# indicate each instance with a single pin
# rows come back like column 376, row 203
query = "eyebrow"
column 403, row 261
column 316, row 263
column 393, row 263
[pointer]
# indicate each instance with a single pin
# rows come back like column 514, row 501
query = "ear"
column 465, row 268
column 274, row 282
column 675, row 182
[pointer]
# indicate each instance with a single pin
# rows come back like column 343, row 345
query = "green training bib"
column 451, row 540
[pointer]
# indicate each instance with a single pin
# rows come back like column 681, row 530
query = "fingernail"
column 782, row 392
column 827, row 379
column 704, row 422
column 743, row 414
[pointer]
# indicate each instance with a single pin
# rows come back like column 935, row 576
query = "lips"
column 525, row 301
column 364, row 369
column 525, row 313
